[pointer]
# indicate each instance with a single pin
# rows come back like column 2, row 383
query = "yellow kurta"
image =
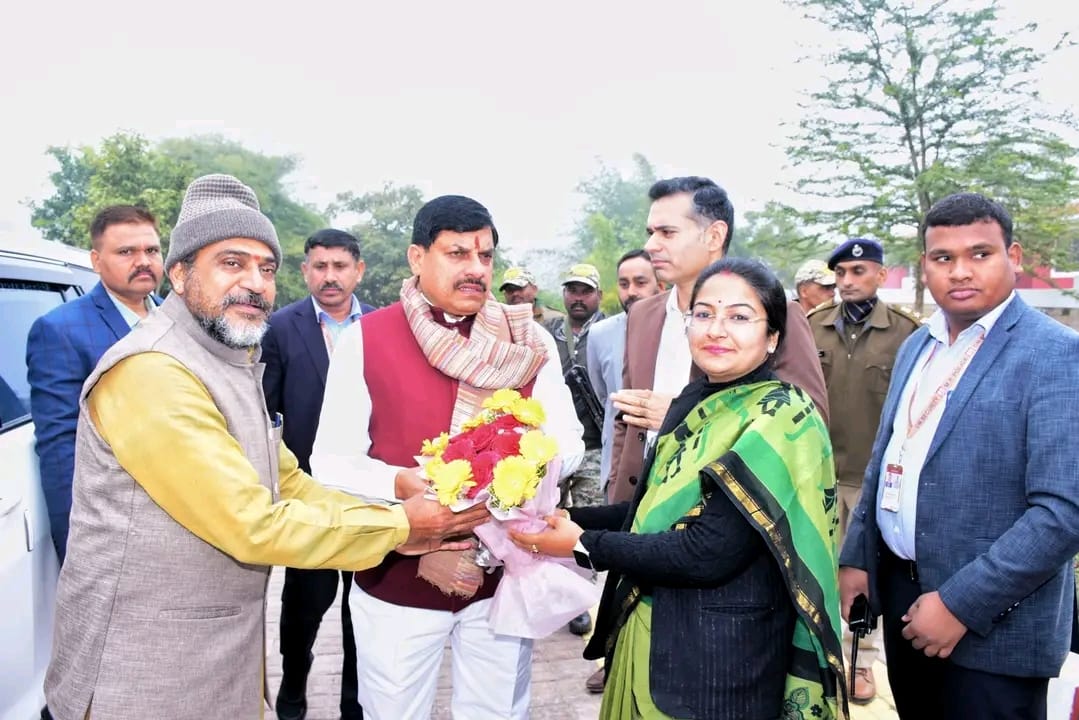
column 188, row 463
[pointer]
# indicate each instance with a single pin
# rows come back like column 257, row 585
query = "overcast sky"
column 508, row 102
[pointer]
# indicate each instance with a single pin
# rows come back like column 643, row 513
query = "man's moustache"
column 482, row 285
column 331, row 286
column 141, row 271
column 247, row 299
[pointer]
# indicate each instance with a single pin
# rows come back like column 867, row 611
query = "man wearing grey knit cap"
column 184, row 495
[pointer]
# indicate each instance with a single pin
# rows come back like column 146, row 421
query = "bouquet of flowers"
column 502, row 458
column 499, row 456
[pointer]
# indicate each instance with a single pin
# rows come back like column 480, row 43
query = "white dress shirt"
column 331, row 327
column 937, row 362
column 339, row 457
column 673, row 360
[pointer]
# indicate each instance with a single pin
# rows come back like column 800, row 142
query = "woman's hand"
column 558, row 540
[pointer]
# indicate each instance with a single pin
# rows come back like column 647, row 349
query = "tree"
column 775, row 236
column 612, row 221
column 268, row 176
column 127, row 169
column 385, row 232
column 124, row 170
column 920, row 103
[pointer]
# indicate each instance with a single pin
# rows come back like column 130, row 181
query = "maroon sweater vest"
column 410, row 402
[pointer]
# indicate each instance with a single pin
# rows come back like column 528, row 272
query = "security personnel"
column 519, row 288
column 857, row 340
column 814, row 284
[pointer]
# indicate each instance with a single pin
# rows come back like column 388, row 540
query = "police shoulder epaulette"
column 903, row 312
column 827, row 305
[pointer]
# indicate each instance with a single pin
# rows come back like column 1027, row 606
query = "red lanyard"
column 942, row 391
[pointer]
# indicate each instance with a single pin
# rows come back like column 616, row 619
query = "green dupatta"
column 775, row 464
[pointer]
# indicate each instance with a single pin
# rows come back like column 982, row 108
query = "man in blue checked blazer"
column 65, row 344
column 969, row 516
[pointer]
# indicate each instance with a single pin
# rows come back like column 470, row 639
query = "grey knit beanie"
column 218, row 207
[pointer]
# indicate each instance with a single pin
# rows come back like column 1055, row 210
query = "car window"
column 21, row 303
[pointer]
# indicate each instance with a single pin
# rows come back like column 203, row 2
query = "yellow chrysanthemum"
column 483, row 418
column 434, row 448
column 528, row 411
column 502, row 400
column 515, row 481
column 449, row 480
column 538, row 448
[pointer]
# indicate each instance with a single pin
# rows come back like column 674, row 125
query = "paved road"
column 558, row 676
column 558, row 671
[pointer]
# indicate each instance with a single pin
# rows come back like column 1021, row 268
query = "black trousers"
column 305, row 598
column 928, row 688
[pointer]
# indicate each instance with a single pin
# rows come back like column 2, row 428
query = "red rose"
column 482, row 437
column 507, row 422
column 459, row 449
column 483, row 471
column 507, row 443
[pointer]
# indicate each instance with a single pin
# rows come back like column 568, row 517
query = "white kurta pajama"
column 399, row 648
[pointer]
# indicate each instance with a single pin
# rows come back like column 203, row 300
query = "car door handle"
column 7, row 504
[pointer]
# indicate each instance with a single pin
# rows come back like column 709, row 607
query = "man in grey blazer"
column 607, row 343
column 969, row 516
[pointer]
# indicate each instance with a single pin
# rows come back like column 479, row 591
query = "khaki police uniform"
column 857, row 363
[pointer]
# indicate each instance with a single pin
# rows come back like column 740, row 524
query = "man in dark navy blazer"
column 296, row 351
column 65, row 344
column 969, row 515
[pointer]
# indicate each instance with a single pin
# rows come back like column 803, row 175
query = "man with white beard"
column 184, row 494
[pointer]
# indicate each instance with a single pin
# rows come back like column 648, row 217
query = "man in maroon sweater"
column 406, row 373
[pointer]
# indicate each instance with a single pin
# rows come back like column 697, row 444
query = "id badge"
column 893, row 482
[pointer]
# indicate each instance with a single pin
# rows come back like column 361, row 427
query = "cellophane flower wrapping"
column 502, row 458
column 538, row 594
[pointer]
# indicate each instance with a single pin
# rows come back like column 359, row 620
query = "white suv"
column 35, row 277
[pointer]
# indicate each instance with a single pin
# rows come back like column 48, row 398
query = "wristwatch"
column 581, row 556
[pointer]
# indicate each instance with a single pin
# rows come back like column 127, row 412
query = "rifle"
column 581, row 389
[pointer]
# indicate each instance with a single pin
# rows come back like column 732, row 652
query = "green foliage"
column 605, row 253
column 775, row 236
column 553, row 299
column 924, row 102
column 124, row 170
column 612, row 222
column 267, row 176
column 385, row 232
column 55, row 216
column 127, row 169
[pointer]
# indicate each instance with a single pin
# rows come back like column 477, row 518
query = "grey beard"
column 242, row 338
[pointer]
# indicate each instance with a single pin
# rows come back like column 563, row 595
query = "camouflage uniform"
column 582, row 488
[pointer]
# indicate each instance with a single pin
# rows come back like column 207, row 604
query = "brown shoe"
column 596, row 681
column 865, row 688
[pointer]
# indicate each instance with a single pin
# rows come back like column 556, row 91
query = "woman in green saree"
column 721, row 598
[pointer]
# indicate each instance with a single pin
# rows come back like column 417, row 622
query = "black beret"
column 857, row 249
